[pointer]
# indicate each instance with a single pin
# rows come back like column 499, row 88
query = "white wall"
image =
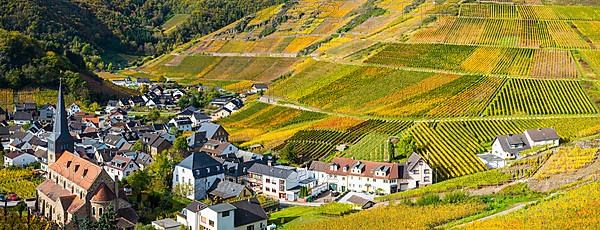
column 20, row 161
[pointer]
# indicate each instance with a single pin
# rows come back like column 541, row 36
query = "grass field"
column 296, row 217
column 174, row 21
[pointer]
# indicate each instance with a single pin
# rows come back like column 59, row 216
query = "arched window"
column 100, row 211
column 93, row 211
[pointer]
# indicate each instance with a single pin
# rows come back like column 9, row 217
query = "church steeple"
column 60, row 140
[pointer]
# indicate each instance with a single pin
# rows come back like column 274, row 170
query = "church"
column 76, row 187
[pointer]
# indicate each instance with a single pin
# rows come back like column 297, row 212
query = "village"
column 86, row 159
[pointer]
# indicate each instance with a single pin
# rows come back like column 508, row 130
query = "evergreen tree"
column 108, row 220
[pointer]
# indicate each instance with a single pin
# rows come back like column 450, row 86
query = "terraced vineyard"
column 483, row 60
column 567, row 159
column 539, row 97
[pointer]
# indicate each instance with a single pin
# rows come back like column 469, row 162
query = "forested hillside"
column 106, row 33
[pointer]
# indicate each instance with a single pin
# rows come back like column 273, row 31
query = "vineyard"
column 539, row 97
column 502, row 11
column 501, row 32
column 479, row 60
column 421, row 217
column 20, row 181
column 567, row 159
column 578, row 208
column 13, row 220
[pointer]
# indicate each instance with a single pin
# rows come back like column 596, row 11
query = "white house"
column 220, row 113
column 218, row 148
column 345, row 174
column 120, row 167
column 239, row 215
column 280, row 182
column 73, row 109
column 199, row 172
column 509, row 146
column 182, row 123
column 166, row 224
column 18, row 159
column 198, row 118
column 256, row 88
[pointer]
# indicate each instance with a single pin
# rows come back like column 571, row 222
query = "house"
column 155, row 143
column 226, row 190
column 234, row 105
column 280, row 182
column 198, row 118
column 509, row 146
column 46, row 112
column 214, row 131
column 73, row 109
column 136, row 101
column 18, row 159
column 220, row 101
column 197, row 140
column 120, row 167
column 359, row 201
column 240, row 215
column 25, row 107
column 112, row 104
column 542, row 137
column 182, row 123
column 166, row 224
column 258, row 87
column 114, row 141
column 42, row 156
column 345, row 174
column 199, row 171
column 22, row 117
column 218, row 148
column 220, row 113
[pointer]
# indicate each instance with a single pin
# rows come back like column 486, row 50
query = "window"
column 268, row 180
column 225, row 214
column 93, row 211
column 415, row 171
column 426, row 171
column 420, row 162
column 426, row 179
column 211, row 223
column 100, row 211
column 176, row 178
column 203, row 219
column 250, row 227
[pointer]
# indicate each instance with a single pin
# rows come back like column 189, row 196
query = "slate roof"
column 226, row 189
column 260, row 86
column 13, row 154
column 508, row 141
column 210, row 129
column 222, row 207
column 359, row 200
column 111, row 139
column 271, row 171
column 199, row 162
column 23, row 116
column 215, row 148
column 542, row 134
column 248, row 211
column 196, row 206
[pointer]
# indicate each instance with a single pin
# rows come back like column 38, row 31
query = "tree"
column 144, row 89
column 94, row 107
column 138, row 146
column 180, row 145
column 108, row 219
column 153, row 115
column 183, row 189
column 162, row 79
column 406, row 145
column 289, row 154
column 161, row 172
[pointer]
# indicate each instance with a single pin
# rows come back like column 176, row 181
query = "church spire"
column 60, row 140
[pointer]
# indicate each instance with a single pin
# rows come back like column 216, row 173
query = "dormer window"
column 334, row 167
column 69, row 164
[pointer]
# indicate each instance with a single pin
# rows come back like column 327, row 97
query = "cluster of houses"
column 85, row 155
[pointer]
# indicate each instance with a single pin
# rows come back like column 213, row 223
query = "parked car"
column 12, row 197
column 2, row 197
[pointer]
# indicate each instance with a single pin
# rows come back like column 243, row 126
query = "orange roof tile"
column 76, row 169
column 103, row 194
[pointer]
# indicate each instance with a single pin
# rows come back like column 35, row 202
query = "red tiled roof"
column 76, row 169
column 103, row 194
column 369, row 168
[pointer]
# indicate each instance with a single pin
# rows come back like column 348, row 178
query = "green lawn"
column 175, row 21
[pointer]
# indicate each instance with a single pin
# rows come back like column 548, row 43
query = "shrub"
column 456, row 197
column 429, row 200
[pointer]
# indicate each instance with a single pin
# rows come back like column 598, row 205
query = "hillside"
column 453, row 74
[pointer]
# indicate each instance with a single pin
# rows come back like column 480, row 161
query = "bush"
column 429, row 200
column 456, row 197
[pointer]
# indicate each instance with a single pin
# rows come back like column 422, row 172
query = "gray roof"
column 223, row 207
column 271, row 171
column 166, row 223
column 513, row 143
column 226, row 189
column 23, row 116
column 60, row 132
column 542, row 134
column 202, row 165
column 196, row 206
column 412, row 161
column 248, row 211
column 359, row 200
column 210, row 129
